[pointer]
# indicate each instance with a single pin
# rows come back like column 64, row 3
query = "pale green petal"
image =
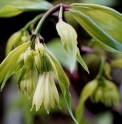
column 39, row 93
column 107, row 70
column 51, row 95
column 47, row 102
column 28, row 58
column 54, row 90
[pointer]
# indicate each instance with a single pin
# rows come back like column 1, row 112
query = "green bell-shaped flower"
column 106, row 92
column 36, row 67
column 29, row 82
column 28, row 58
column 46, row 93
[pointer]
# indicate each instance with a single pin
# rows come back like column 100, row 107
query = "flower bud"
column 28, row 83
column 39, row 46
column 107, row 70
column 13, row 41
column 37, row 60
column 46, row 93
column 28, row 58
column 69, row 40
column 25, row 37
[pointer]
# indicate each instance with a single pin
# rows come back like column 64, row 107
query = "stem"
column 49, row 12
column 52, row 10
column 60, row 12
column 100, row 73
column 32, row 22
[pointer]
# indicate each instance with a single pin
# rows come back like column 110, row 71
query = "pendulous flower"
column 46, row 93
column 37, row 69
column 68, row 37
column 28, row 82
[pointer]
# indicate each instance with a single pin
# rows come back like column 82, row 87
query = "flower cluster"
column 37, row 68
column 36, row 77
column 102, row 90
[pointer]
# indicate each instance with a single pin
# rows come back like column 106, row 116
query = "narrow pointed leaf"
column 9, row 8
column 86, row 92
column 11, row 60
column 63, row 83
column 102, row 23
column 80, row 60
column 13, row 70
column 5, row 79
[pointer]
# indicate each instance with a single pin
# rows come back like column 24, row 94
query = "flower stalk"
column 100, row 73
column 37, row 18
column 52, row 10
column 49, row 12
column 60, row 12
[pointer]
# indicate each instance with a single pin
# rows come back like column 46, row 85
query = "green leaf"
column 102, row 23
column 5, row 79
column 11, row 60
column 80, row 60
column 86, row 92
column 9, row 8
column 9, row 11
column 63, row 83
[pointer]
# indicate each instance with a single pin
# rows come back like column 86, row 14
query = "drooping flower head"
column 36, row 67
column 46, row 93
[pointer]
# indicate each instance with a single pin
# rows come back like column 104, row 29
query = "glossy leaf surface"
column 102, row 23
